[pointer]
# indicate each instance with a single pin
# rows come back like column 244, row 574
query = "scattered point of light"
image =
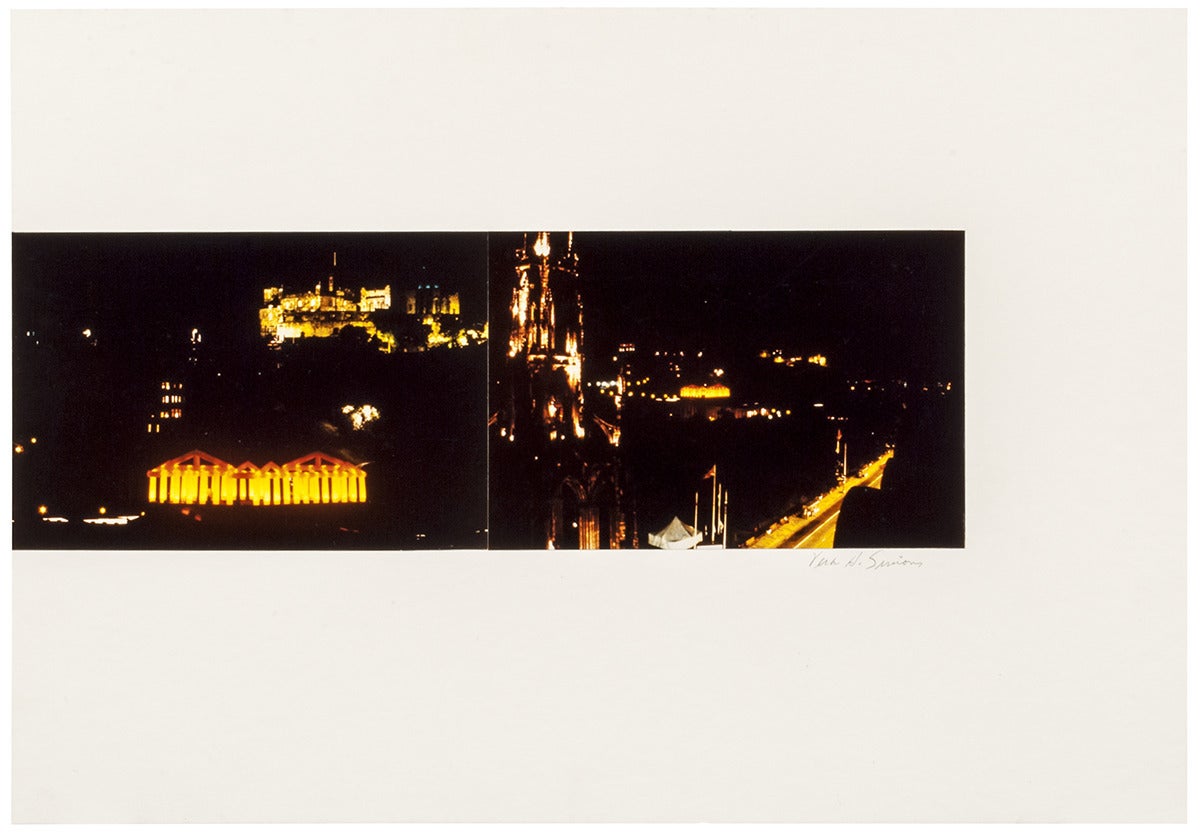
column 818, row 404
column 42, row 510
column 87, row 332
column 19, row 449
column 103, row 510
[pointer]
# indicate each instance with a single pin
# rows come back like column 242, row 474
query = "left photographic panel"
column 235, row 391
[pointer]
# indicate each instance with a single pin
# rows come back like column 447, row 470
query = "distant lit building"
column 704, row 392
column 168, row 407
column 429, row 299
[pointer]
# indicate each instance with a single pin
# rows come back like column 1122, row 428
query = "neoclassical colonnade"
column 199, row 478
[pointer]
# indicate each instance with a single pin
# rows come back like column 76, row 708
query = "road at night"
column 817, row 531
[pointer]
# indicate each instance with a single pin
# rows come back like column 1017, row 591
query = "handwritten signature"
column 863, row 561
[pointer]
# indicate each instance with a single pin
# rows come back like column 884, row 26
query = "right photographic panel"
column 693, row 390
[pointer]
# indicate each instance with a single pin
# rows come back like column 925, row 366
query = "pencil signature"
column 863, row 561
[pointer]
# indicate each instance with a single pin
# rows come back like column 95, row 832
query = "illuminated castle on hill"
column 326, row 311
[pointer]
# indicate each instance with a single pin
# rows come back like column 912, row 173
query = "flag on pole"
column 838, row 448
column 713, row 471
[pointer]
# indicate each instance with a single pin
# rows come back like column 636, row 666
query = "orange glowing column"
column 187, row 486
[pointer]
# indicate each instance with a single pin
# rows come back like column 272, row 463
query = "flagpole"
column 714, row 505
column 725, row 523
column 696, row 514
column 720, row 491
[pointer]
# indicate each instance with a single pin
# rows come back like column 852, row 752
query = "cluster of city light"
column 778, row 357
column 361, row 415
column 462, row 337
column 104, row 520
column 769, row 413
column 877, row 385
column 873, row 385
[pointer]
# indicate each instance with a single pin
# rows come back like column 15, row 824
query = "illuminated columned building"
column 200, row 479
column 558, row 457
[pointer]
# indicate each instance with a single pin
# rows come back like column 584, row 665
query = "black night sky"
column 884, row 304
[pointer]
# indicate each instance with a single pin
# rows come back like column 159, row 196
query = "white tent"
column 675, row 536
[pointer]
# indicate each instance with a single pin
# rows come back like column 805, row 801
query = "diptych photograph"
column 492, row 390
